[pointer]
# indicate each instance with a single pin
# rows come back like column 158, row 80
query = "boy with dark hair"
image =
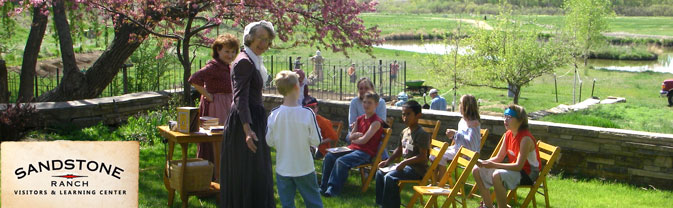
column 414, row 148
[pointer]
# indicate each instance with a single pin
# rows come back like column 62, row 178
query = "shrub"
column 16, row 120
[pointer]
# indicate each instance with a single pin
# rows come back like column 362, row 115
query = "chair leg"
column 472, row 192
column 362, row 176
column 366, row 183
column 413, row 199
column 531, row 195
column 431, row 202
column 464, row 197
column 546, row 193
column 534, row 202
column 511, row 195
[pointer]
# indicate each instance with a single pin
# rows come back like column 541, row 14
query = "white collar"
column 253, row 57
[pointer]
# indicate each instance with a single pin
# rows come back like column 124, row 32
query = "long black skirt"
column 245, row 177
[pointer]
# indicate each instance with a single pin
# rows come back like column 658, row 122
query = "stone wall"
column 109, row 110
column 635, row 157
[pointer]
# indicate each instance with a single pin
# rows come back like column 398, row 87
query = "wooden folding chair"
column 464, row 158
column 373, row 166
column 430, row 126
column 484, row 136
column 338, row 126
column 431, row 170
column 495, row 153
column 549, row 154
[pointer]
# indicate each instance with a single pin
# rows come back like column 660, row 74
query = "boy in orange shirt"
column 326, row 130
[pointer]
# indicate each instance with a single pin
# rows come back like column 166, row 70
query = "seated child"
column 365, row 141
column 414, row 148
column 328, row 133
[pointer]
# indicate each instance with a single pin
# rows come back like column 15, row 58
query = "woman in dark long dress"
column 246, row 175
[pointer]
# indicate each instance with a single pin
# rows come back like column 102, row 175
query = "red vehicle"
column 667, row 89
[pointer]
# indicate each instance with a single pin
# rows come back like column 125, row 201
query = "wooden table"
column 184, row 140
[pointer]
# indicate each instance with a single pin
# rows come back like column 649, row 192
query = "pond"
column 663, row 64
column 429, row 47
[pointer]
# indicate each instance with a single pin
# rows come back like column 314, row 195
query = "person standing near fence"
column 213, row 81
column 317, row 66
column 246, row 177
column 394, row 69
column 351, row 73
column 437, row 102
column 297, row 63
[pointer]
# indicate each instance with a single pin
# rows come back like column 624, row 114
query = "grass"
column 640, row 89
column 638, row 53
column 565, row 191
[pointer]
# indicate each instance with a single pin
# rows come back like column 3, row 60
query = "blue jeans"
column 387, row 191
column 335, row 169
column 308, row 188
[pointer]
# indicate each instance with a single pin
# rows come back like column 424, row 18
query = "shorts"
column 446, row 158
column 510, row 179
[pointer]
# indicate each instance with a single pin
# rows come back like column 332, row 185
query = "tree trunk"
column 30, row 54
column 517, row 94
column 187, row 63
column 104, row 69
column 4, row 88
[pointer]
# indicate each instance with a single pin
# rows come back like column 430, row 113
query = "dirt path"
column 477, row 23
column 48, row 67
column 632, row 35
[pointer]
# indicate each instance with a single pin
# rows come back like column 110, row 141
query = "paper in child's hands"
column 339, row 149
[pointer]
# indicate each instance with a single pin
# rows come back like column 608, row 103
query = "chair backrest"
column 382, row 147
column 430, row 126
column 464, row 158
column 390, row 121
column 484, row 136
column 437, row 154
column 548, row 154
column 338, row 126
column 497, row 147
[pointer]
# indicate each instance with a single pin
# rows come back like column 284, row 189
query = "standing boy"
column 292, row 129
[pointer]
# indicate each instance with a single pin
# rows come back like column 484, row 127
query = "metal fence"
column 335, row 83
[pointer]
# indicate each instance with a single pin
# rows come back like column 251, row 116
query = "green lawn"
column 564, row 191
column 439, row 23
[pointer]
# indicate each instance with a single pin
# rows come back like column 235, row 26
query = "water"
column 428, row 47
column 664, row 64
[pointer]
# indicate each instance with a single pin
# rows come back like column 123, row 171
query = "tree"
column 584, row 22
column 508, row 56
column 31, row 51
column 333, row 24
column 450, row 63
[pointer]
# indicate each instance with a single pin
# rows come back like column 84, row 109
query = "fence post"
column 592, row 88
column 405, row 77
column 580, row 99
column 374, row 76
column 381, row 77
column 290, row 63
column 36, row 85
column 390, row 82
column 341, row 75
column 555, row 88
column 125, row 79
column 272, row 75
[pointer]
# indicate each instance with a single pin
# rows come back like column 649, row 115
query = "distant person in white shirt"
column 292, row 129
